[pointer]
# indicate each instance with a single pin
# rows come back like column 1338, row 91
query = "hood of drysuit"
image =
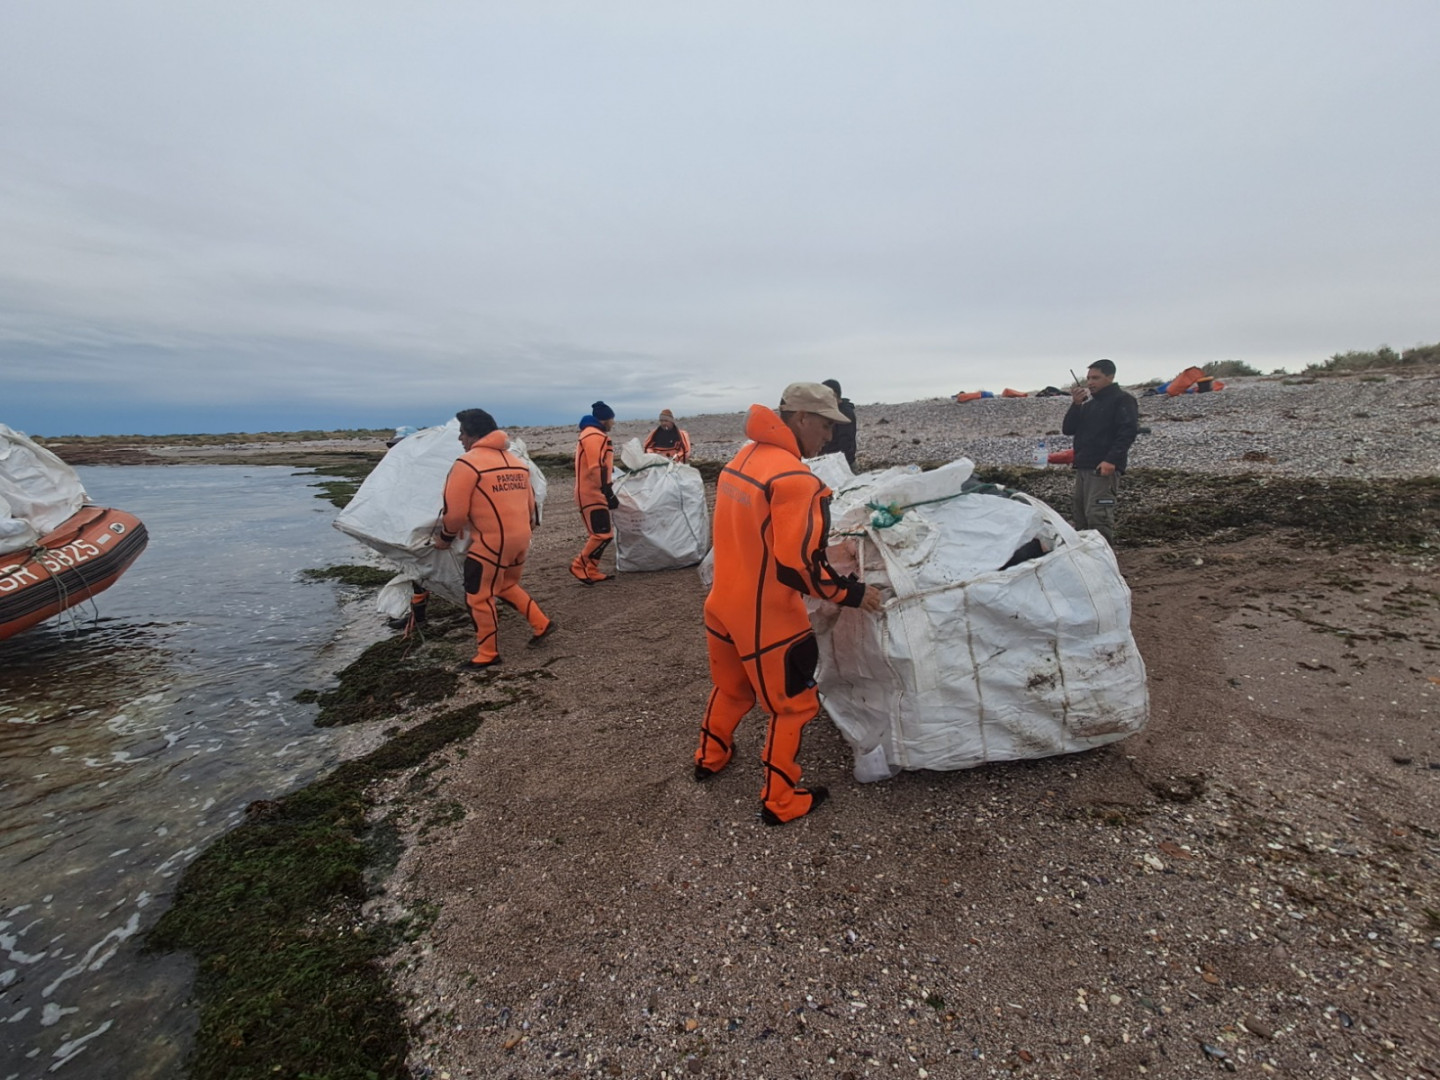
column 589, row 421
column 763, row 425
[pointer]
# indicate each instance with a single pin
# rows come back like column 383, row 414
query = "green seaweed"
column 1166, row 507
column 289, row 980
column 350, row 471
column 363, row 576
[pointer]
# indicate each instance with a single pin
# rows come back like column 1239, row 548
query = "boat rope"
column 35, row 554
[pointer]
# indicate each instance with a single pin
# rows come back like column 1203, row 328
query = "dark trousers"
column 1094, row 502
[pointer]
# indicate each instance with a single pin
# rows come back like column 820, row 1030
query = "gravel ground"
column 1262, row 425
column 1249, row 885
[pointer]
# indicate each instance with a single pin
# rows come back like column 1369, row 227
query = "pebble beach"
column 1374, row 426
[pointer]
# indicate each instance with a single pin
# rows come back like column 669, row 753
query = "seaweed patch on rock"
column 289, row 978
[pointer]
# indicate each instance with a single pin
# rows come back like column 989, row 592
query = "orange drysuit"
column 593, row 494
column 675, row 446
column 772, row 519
column 488, row 491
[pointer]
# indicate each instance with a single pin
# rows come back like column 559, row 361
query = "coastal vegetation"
column 1171, row 506
column 396, row 673
column 347, row 476
column 363, row 576
column 289, row 980
column 233, row 438
column 1383, row 358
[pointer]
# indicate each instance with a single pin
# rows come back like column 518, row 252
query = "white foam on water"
column 68, row 1050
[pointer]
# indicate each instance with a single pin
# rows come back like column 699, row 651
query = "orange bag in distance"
column 1186, row 379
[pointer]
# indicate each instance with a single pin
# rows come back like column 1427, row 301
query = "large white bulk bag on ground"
column 662, row 522
column 972, row 662
column 398, row 507
column 38, row 491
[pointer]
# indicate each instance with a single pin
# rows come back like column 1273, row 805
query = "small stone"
column 1256, row 1026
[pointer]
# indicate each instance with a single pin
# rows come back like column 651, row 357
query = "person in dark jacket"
column 843, row 441
column 1104, row 420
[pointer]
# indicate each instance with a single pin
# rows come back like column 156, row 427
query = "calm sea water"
column 134, row 730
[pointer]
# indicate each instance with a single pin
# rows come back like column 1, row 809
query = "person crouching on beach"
column 668, row 440
column 488, row 495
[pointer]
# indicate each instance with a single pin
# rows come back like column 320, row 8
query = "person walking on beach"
column 488, row 495
column 1104, row 420
column 772, row 521
column 843, row 440
column 669, row 440
column 593, row 493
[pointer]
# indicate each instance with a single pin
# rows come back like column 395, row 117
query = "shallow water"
column 134, row 730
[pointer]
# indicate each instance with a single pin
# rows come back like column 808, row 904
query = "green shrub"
column 1229, row 369
column 1383, row 357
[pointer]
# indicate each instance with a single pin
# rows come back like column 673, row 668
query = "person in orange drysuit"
column 593, row 493
column 772, row 522
column 488, row 494
column 668, row 440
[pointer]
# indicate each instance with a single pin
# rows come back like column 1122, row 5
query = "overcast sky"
column 269, row 216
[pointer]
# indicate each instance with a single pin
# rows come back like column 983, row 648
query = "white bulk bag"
column 38, row 491
column 969, row 662
column 662, row 522
column 398, row 507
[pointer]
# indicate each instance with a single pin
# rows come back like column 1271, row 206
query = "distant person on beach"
column 771, row 527
column 843, row 440
column 594, row 496
column 669, row 440
column 1104, row 420
column 488, row 495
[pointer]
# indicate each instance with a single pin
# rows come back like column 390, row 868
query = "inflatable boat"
column 81, row 557
column 57, row 548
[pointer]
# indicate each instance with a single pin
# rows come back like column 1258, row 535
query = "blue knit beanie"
column 601, row 411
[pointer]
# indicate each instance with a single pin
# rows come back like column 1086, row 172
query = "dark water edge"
column 290, row 977
column 133, row 730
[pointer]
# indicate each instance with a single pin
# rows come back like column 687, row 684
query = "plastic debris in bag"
column 397, row 508
column 663, row 521
column 38, row 491
column 1007, row 634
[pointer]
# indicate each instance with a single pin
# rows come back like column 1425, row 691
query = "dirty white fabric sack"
column 969, row 662
column 38, row 491
column 397, row 508
column 662, row 522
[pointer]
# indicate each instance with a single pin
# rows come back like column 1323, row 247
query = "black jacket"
column 1104, row 427
column 842, row 440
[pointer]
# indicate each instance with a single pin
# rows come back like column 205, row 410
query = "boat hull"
column 84, row 556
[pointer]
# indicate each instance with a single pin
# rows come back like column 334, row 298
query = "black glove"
column 611, row 499
column 614, row 500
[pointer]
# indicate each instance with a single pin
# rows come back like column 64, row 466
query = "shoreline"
column 515, row 906
column 1366, row 425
